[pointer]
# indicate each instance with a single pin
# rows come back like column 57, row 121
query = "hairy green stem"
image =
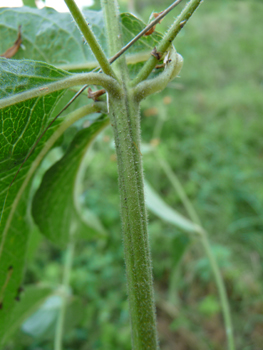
column 151, row 86
column 134, row 225
column 124, row 115
column 114, row 35
column 207, row 247
column 77, row 79
column 145, row 30
column 65, row 284
column 167, row 40
column 90, row 37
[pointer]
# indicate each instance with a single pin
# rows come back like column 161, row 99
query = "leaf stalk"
column 125, row 119
column 167, row 40
column 207, row 247
column 90, row 37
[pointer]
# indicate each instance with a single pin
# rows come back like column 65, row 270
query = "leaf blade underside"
column 21, row 124
column 53, row 37
column 54, row 209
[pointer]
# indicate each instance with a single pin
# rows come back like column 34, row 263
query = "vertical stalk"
column 207, row 247
column 134, row 226
column 221, row 291
column 124, row 114
column 65, row 284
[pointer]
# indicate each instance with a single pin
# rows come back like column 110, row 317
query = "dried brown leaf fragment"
column 96, row 94
column 13, row 49
column 151, row 30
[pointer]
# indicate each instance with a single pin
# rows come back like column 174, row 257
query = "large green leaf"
column 54, row 38
column 21, row 125
column 24, row 121
column 26, row 304
column 55, row 207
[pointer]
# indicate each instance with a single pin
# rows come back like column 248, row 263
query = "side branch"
column 167, row 40
column 151, row 86
column 77, row 79
column 145, row 30
column 90, row 37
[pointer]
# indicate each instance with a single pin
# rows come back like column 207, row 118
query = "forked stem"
column 90, row 37
column 167, row 40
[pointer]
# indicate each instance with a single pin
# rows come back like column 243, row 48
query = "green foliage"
column 41, row 325
column 55, row 207
column 27, row 301
column 54, row 38
column 211, row 136
column 18, row 135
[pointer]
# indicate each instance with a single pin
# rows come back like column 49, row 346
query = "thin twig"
column 126, row 47
column 145, row 30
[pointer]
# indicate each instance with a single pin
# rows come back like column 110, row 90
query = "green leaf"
column 26, row 304
column 131, row 26
column 54, row 38
column 42, row 323
column 55, row 207
column 180, row 244
column 47, row 35
column 30, row 3
column 23, row 122
column 156, row 205
column 21, row 125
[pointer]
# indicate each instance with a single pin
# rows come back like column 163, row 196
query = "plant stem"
column 167, row 40
column 65, row 284
column 145, row 30
column 77, row 79
column 134, row 225
column 221, row 291
column 124, row 114
column 151, row 86
column 90, row 37
column 207, row 247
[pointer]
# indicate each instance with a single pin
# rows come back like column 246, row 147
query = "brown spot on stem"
column 43, row 88
column 182, row 23
column 156, row 54
column 159, row 66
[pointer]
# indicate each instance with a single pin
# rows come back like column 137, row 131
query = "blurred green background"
column 207, row 125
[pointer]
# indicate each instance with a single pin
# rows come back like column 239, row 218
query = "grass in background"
column 210, row 132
